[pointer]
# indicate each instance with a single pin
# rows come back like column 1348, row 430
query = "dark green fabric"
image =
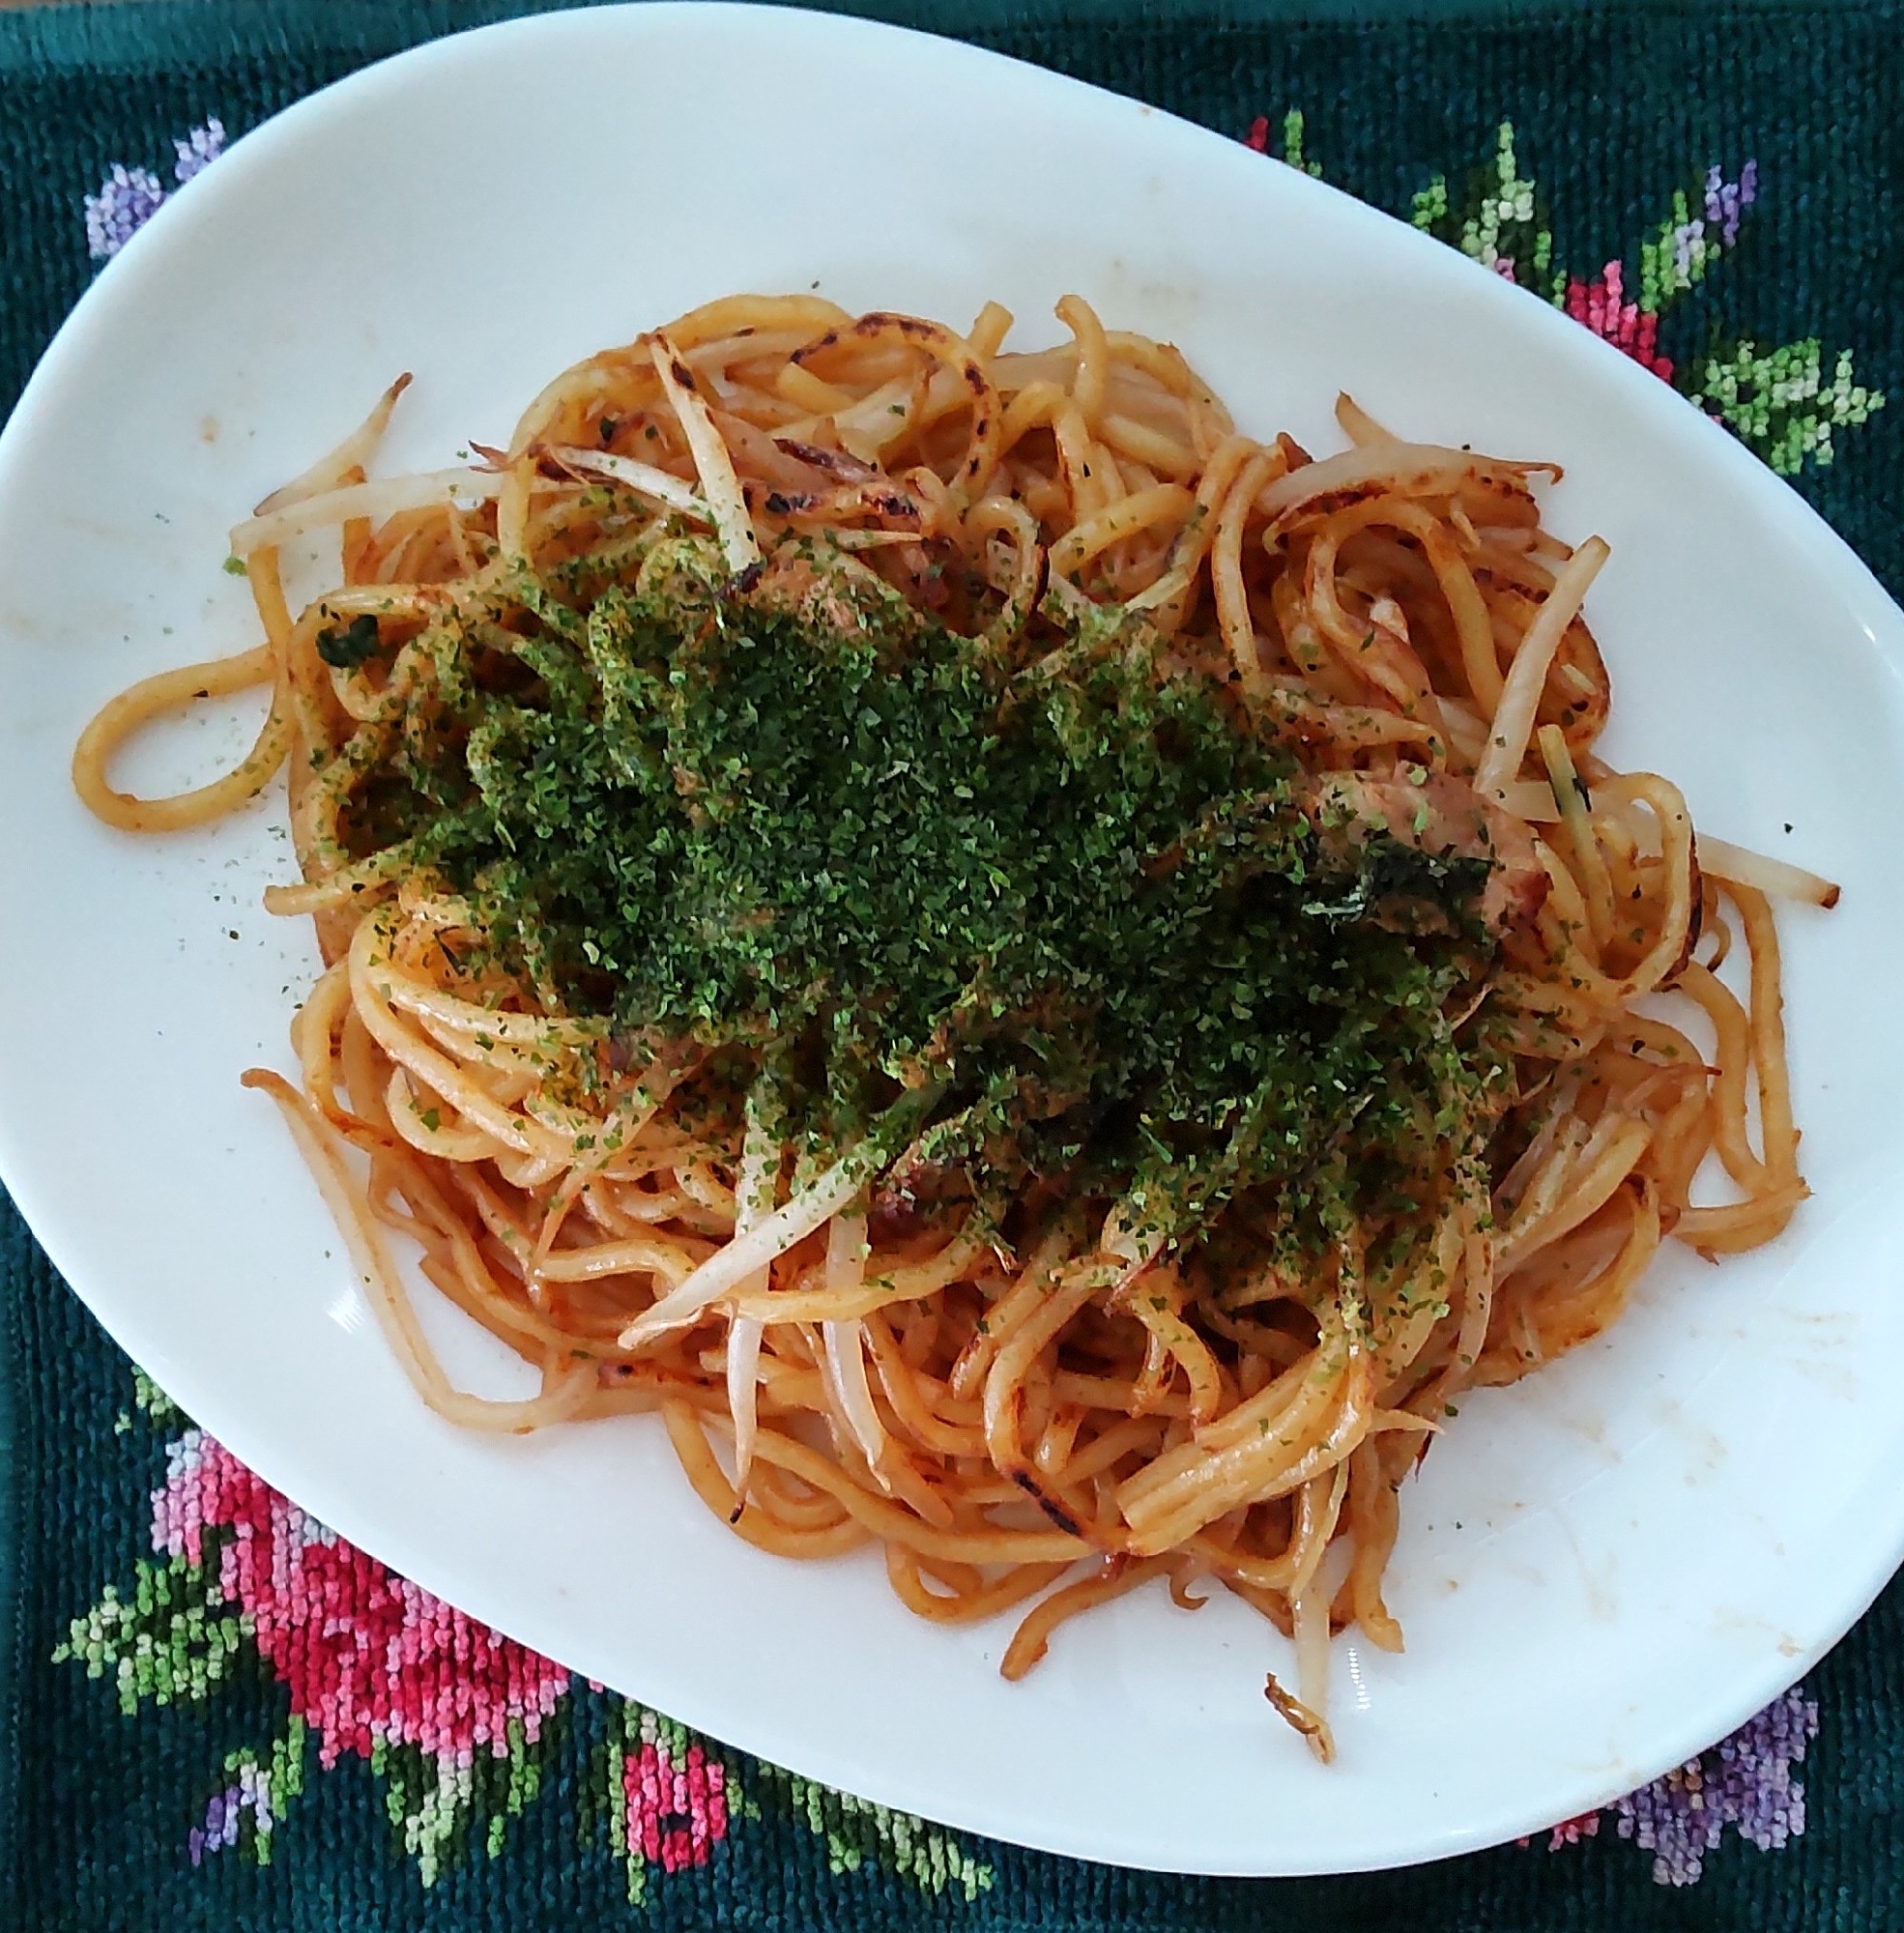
column 1612, row 111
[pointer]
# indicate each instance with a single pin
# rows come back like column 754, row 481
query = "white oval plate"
column 1601, row 1572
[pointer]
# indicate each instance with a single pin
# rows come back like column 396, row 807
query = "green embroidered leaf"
column 1500, row 220
column 157, row 1408
column 1779, row 402
column 1700, row 227
column 442, row 1810
column 1676, row 256
column 1292, row 145
column 604, row 1810
column 858, row 1832
column 172, row 1637
column 1429, row 207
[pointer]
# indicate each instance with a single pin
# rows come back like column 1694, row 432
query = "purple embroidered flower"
column 130, row 197
column 1685, row 241
column 1726, row 201
column 1745, row 1782
column 1755, row 1772
column 200, row 148
column 226, row 1811
column 126, row 200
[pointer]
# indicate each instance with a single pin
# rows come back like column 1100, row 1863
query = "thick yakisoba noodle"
column 1035, row 1396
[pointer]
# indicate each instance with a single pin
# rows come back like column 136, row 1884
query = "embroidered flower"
column 1601, row 306
column 1789, row 403
column 201, row 149
column 1726, row 201
column 126, row 200
column 676, row 1813
column 369, row 1658
column 226, row 1812
column 1571, row 1832
column 245, row 1812
column 464, row 1729
column 1745, row 1782
column 130, row 197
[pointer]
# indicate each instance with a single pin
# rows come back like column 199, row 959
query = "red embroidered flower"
column 1571, row 1832
column 677, row 1814
column 1633, row 330
column 365, row 1654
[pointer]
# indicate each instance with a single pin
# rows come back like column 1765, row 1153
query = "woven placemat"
column 214, row 1714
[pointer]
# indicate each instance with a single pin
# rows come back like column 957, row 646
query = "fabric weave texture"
column 213, row 1714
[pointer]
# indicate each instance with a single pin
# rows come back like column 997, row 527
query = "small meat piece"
column 1441, row 816
column 905, row 1199
column 836, row 594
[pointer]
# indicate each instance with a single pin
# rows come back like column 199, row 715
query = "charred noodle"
column 1047, row 981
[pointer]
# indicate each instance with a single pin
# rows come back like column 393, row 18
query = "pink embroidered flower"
column 677, row 1814
column 366, row 1656
column 1568, row 1833
column 1571, row 1832
column 1632, row 329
